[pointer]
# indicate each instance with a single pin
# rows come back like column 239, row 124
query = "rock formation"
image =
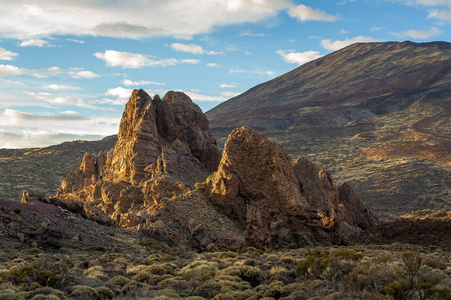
column 256, row 197
column 163, row 145
column 276, row 202
column 341, row 203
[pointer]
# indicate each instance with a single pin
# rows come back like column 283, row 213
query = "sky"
column 68, row 67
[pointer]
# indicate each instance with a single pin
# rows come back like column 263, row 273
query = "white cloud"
column 192, row 48
column 119, row 92
column 190, row 61
column 253, row 34
column 420, row 34
column 213, row 65
column 84, row 75
column 7, row 55
column 298, row 57
column 427, row 2
column 13, row 82
column 345, row 2
column 9, row 70
column 256, row 72
column 130, row 20
column 128, row 82
column 49, row 97
column 201, row 97
column 124, row 59
column 70, row 112
column 337, row 45
column 35, row 43
column 442, row 14
column 62, row 87
column 230, row 85
column 229, row 94
column 35, row 130
column 342, row 31
column 304, row 13
column 377, row 28
column 76, row 41
column 129, row 60
column 54, row 70
column 39, row 95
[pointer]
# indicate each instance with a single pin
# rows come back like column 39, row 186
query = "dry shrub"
column 86, row 292
column 199, row 271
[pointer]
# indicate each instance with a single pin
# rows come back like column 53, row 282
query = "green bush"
column 227, row 248
column 104, row 292
column 175, row 283
column 227, row 255
column 397, row 289
column 152, row 244
column 199, row 270
column 208, row 290
column 119, row 280
column 168, row 293
column 85, row 292
column 254, row 251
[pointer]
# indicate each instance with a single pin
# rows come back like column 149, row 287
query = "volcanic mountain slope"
column 375, row 114
column 42, row 169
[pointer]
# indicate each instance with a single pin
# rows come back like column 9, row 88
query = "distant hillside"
column 42, row 169
column 377, row 114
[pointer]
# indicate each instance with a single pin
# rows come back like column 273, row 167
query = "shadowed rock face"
column 339, row 202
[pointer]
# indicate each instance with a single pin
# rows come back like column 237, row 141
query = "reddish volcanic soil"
column 433, row 233
column 40, row 208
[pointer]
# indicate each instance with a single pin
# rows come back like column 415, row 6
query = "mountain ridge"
column 261, row 100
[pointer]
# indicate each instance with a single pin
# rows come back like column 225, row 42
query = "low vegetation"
column 394, row 271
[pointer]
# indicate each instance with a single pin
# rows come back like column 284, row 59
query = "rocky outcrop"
column 153, row 131
column 279, row 203
column 256, row 186
column 162, row 146
column 339, row 202
column 352, row 210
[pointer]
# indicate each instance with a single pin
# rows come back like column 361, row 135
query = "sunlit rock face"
column 163, row 146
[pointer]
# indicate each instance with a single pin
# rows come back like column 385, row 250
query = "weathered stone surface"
column 150, row 128
column 134, row 151
column 352, row 210
column 30, row 196
column 199, row 238
column 162, row 146
column 316, row 186
column 179, row 119
column 339, row 203
column 255, row 184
